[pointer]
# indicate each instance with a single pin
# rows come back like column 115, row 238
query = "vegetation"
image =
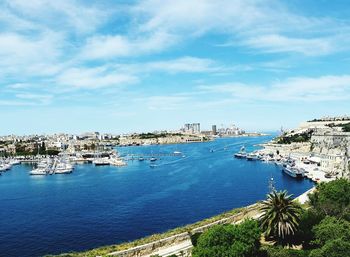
column 321, row 230
column 332, row 199
column 280, row 217
column 345, row 127
column 295, row 138
column 229, row 240
column 154, row 135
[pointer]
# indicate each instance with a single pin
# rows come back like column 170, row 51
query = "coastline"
column 177, row 240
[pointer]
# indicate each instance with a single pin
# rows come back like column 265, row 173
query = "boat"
column 38, row 171
column 2, row 168
column 252, row 157
column 241, row 154
column 101, row 162
column 293, row 172
column 63, row 168
column 153, row 159
column 177, row 153
column 141, row 159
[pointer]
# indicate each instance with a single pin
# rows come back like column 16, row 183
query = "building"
column 192, row 128
column 213, row 130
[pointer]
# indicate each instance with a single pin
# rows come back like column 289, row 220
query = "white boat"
column 293, row 172
column 62, row 168
column 117, row 162
column 15, row 162
column 241, row 154
column 252, row 157
column 177, row 153
column 2, row 168
column 101, row 162
column 38, row 171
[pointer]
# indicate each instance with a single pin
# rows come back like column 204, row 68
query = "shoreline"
column 179, row 239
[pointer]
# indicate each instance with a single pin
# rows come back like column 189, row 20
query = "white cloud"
column 91, row 78
column 277, row 43
column 107, row 47
column 263, row 25
column 325, row 88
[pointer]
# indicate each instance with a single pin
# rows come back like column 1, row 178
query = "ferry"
column 293, row 172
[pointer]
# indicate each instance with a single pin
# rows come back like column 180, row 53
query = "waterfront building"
column 192, row 128
column 213, row 130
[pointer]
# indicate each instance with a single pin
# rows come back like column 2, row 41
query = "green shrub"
column 229, row 241
column 304, row 235
column 333, row 248
column 274, row 251
column 331, row 228
column 332, row 198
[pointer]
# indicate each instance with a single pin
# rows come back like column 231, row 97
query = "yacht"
column 252, row 157
column 63, row 168
column 2, row 168
column 153, row 159
column 241, row 154
column 38, row 171
column 293, row 172
column 101, row 162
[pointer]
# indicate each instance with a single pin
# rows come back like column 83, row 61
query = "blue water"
column 97, row 206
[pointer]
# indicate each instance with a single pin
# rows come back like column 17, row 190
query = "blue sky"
column 125, row 66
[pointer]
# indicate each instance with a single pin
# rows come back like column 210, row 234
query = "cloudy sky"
column 123, row 66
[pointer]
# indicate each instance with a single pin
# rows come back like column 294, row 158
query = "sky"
column 131, row 66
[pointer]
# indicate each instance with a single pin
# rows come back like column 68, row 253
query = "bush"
column 304, row 235
column 330, row 229
column 334, row 248
column 332, row 198
column 229, row 241
column 282, row 252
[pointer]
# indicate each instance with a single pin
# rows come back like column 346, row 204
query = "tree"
column 229, row 241
column 333, row 248
column 304, row 235
column 332, row 198
column 280, row 217
column 331, row 228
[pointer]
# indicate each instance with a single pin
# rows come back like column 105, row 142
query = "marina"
column 105, row 204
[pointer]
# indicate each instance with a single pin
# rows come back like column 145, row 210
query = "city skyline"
column 135, row 66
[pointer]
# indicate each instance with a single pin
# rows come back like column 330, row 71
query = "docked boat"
column 141, row 159
column 241, row 154
column 177, row 153
column 293, row 172
column 101, row 162
column 153, row 159
column 252, row 157
column 63, row 168
column 38, row 171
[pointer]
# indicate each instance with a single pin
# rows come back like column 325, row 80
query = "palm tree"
column 280, row 217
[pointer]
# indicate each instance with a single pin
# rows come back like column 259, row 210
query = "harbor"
column 297, row 167
column 110, row 204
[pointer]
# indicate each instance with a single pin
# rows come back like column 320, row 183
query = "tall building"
column 213, row 130
column 193, row 128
